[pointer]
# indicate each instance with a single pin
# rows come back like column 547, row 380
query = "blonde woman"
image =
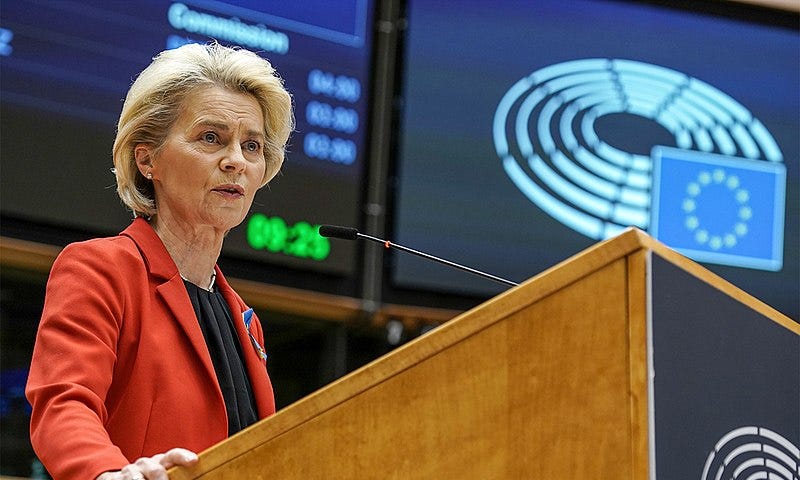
column 144, row 354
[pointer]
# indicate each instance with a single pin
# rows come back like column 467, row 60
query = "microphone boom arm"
column 388, row 244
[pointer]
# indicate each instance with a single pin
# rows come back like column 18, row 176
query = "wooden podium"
column 552, row 379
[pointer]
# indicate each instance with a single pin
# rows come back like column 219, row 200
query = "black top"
column 216, row 323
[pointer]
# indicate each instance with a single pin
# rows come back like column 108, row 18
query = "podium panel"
column 559, row 377
column 722, row 370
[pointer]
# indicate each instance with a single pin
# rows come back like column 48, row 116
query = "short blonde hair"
column 154, row 102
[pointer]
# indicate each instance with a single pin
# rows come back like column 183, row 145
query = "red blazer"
column 120, row 368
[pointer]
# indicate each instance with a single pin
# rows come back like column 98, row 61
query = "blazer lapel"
column 171, row 290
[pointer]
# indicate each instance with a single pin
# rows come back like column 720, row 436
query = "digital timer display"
column 300, row 240
column 66, row 67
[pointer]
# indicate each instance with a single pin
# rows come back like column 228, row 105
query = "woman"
column 144, row 354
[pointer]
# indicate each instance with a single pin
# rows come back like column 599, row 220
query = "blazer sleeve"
column 73, row 363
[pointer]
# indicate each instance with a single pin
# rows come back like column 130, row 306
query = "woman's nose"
column 234, row 160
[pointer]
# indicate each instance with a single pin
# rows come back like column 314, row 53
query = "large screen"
column 532, row 130
column 66, row 67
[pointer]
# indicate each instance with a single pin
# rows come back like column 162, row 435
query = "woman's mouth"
column 230, row 190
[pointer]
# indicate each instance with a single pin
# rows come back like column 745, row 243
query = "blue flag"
column 719, row 209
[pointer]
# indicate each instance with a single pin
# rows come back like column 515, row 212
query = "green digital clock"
column 274, row 234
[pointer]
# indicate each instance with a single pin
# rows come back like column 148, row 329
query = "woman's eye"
column 252, row 146
column 210, row 137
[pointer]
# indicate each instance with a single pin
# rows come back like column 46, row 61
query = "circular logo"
column 753, row 453
column 734, row 228
column 546, row 135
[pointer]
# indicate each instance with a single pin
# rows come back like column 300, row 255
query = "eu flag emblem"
column 719, row 209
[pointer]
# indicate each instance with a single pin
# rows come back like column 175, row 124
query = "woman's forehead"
column 222, row 108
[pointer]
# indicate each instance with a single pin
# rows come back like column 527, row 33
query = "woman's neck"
column 194, row 250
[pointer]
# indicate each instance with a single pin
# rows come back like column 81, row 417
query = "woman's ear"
column 144, row 159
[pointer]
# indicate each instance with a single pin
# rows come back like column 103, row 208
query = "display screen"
column 532, row 130
column 66, row 67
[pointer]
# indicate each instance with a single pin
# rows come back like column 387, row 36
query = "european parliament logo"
column 718, row 197
column 719, row 209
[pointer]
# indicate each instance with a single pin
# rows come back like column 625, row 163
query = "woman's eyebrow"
column 202, row 122
column 256, row 133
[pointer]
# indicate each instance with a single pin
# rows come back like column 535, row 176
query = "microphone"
column 350, row 233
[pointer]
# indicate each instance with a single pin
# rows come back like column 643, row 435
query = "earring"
column 149, row 176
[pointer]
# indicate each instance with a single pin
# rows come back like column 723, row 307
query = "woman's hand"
column 153, row 468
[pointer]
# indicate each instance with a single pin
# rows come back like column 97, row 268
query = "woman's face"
column 212, row 162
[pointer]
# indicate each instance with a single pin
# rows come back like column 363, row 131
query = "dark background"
column 426, row 173
column 453, row 196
